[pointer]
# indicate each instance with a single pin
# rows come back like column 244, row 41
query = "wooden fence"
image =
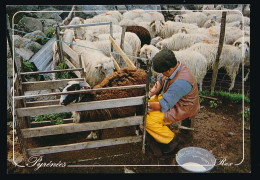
column 25, row 109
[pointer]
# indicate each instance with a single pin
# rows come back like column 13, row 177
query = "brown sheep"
column 141, row 32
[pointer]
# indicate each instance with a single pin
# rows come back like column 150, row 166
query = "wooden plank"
column 71, row 53
column 121, row 52
column 53, row 84
column 115, row 63
column 42, row 103
column 71, row 66
column 80, row 91
column 48, row 123
column 84, row 145
column 78, row 127
column 84, row 106
column 51, row 71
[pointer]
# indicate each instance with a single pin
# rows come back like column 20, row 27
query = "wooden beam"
column 72, row 66
column 115, row 63
column 42, row 103
column 84, row 106
column 121, row 52
column 80, row 91
column 53, row 84
column 48, row 123
column 79, row 127
column 71, row 53
column 84, row 145
column 51, row 71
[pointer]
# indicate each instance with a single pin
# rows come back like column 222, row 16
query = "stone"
column 24, row 52
column 35, row 35
column 29, row 24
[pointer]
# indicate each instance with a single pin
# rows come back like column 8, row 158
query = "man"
column 174, row 98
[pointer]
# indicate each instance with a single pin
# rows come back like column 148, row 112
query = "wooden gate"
column 25, row 109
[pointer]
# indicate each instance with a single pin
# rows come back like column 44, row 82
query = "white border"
column 131, row 165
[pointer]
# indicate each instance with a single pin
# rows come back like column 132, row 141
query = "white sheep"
column 244, row 44
column 130, row 38
column 196, row 17
column 230, row 58
column 105, row 46
column 231, row 33
column 133, row 14
column 181, row 41
column 196, row 62
column 168, row 28
column 97, row 64
column 103, row 29
column 101, row 18
column 128, row 22
column 149, row 17
column 114, row 14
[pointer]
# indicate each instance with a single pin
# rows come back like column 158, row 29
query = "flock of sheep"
column 193, row 36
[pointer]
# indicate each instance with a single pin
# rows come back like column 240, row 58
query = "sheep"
column 231, row 33
column 149, row 17
column 244, row 44
column 168, row 28
column 197, row 17
column 105, row 45
column 130, row 38
column 103, row 29
column 230, row 58
column 97, row 64
column 101, row 18
column 124, row 77
column 181, row 41
column 73, row 85
column 133, row 14
column 238, row 17
column 128, row 22
column 141, row 32
column 115, row 14
column 195, row 61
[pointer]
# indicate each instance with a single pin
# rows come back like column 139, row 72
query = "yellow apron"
column 155, row 125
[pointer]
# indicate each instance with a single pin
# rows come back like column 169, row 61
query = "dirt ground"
column 219, row 130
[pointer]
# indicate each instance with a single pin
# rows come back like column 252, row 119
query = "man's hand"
column 154, row 106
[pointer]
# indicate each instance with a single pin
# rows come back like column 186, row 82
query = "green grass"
column 53, row 118
column 227, row 96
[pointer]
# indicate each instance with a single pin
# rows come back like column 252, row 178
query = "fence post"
column 122, row 46
column 59, row 44
column 148, row 80
column 220, row 46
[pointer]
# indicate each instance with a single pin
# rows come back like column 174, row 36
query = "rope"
column 77, row 44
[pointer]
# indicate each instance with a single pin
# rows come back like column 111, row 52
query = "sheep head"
column 73, row 86
column 178, row 18
column 156, row 26
column 105, row 66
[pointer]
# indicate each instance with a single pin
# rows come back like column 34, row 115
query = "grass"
column 226, row 96
column 53, row 118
